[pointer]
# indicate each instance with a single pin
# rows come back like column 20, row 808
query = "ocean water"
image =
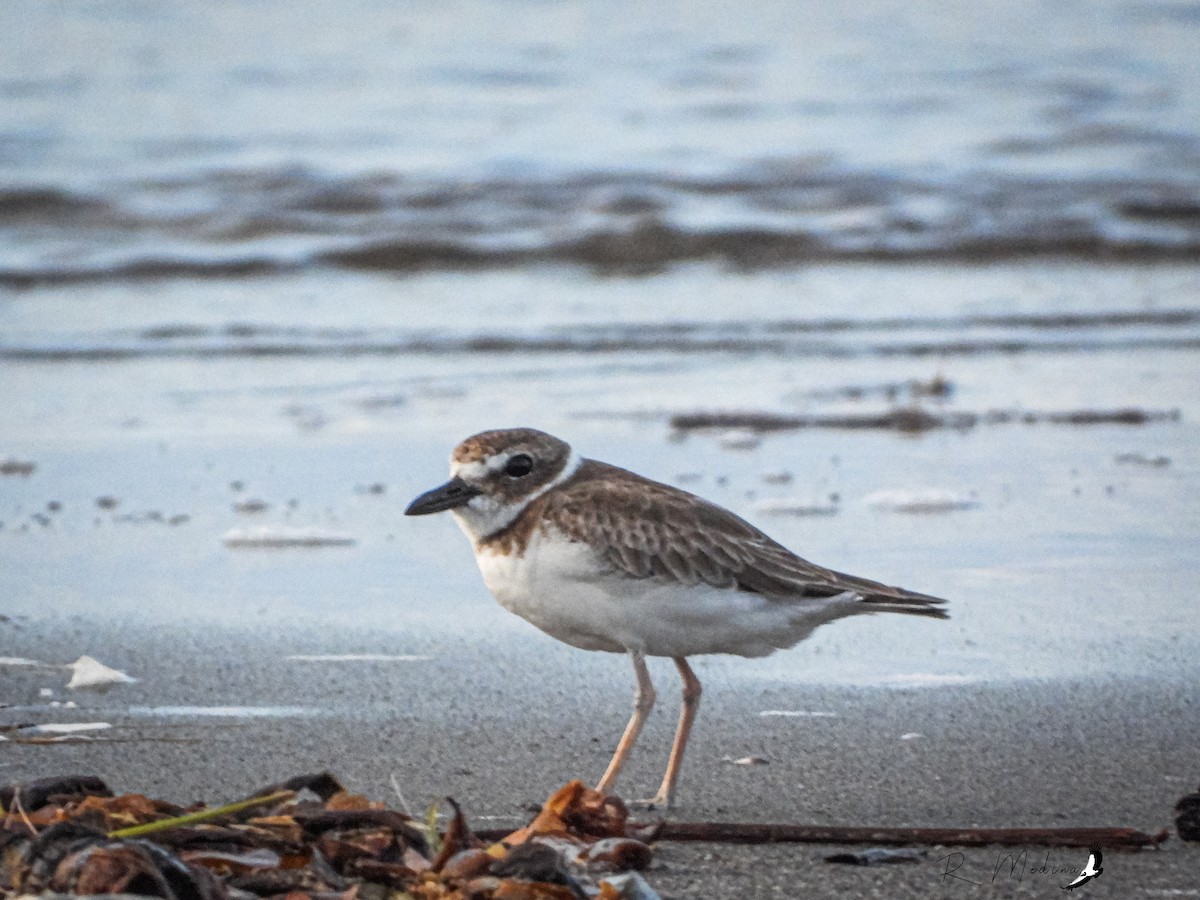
column 228, row 138
column 263, row 264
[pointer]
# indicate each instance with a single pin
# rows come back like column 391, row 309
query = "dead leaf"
column 532, row 890
column 575, row 811
column 343, row 800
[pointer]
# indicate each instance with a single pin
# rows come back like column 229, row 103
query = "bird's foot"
column 660, row 801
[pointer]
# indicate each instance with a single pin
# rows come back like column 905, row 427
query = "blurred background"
column 262, row 264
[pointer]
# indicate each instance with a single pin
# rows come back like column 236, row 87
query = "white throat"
column 484, row 514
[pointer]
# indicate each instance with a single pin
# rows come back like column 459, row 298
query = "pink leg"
column 643, row 702
column 687, row 715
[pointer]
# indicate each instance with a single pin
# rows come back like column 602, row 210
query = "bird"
column 1090, row 870
column 604, row 559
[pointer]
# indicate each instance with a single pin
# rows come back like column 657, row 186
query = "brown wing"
column 647, row 529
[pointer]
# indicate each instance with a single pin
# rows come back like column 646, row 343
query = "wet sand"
column 1060, row 692
column 498, row 721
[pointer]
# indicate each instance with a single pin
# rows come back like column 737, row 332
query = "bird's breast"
column 552, row 585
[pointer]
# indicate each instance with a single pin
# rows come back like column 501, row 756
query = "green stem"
column 203, row 815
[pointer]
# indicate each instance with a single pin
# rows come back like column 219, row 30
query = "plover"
column 604, row 559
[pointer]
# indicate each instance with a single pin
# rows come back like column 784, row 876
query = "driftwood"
column 754, row 833
column 743, row 833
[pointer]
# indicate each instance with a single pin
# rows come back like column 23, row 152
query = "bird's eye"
column 519, row 465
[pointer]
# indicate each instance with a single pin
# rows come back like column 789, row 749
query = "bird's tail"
column 907, row 602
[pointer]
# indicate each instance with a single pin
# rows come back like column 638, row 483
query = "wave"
column 832, row 337
column 233, row 224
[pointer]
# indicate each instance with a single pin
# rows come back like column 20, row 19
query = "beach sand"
column 1061, row 692
column 499, row 724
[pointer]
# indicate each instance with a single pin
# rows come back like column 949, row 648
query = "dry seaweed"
column 914, row 419
column 306, row 838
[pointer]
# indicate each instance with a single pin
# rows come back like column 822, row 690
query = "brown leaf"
column 276, row 830
column 111, row 813
column 393, row 875
column 341, row 848
column 457, row 837
column 33, row 795
column 532, row 890
column 274, row 821
column 345, row 800
column 575, row 811
column 106, row 870
column 621, row 854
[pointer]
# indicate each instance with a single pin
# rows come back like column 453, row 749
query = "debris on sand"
column 747, row 761
column 739, row 439
column 899, row 419
column 53, row 732
column 89, row 673
column 938, row 387
column 920, row 500
column 1187, row 816
column 777, row 477
column 279, row 536
column 795, row 506
column 798, row 713
column 18, row 467
column 1141, row 459
column 18, row 661
column 310, row 839
column 913, row 419
column 761, row 833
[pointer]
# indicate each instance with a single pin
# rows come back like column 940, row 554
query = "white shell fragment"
column 739, row 440
column 66, row 727
column 87, row 672
column 282, row 536
column 921, row 500
column 794, row 506
column 798, row 713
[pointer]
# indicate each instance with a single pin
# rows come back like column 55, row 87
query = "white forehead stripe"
column 474, row 470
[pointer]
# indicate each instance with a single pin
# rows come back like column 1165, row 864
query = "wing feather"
column 646, row 529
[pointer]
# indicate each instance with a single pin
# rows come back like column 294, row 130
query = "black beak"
column 451, row 495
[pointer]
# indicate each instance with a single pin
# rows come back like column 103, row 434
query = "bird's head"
column 494, row 475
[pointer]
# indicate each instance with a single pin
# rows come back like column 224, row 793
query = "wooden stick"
column 751, row 833
column 755, row 833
